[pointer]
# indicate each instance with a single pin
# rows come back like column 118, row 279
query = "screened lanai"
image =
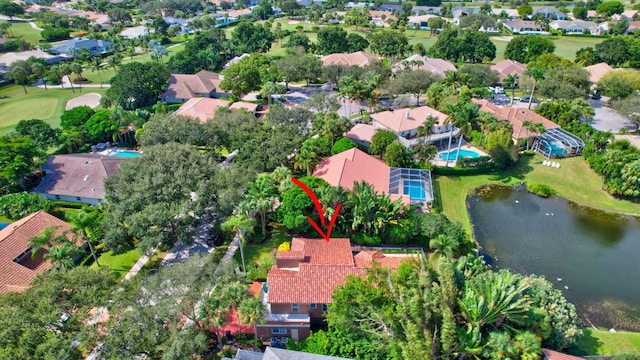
column 416, row 183
column 556, row 142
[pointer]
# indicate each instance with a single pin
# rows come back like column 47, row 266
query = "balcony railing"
column 432, row 138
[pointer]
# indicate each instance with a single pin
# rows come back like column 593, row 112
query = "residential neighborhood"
column 319, row 180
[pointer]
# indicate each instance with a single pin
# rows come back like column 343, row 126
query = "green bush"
column 55, row 34
column 541, row 190
column 480, row 161
column 366, row 240
column 18, row 205
column 343, row 145
column 442, row 170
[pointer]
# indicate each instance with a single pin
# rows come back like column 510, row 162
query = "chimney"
column 406, row 114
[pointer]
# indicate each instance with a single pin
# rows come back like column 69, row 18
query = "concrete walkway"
column 138, row 265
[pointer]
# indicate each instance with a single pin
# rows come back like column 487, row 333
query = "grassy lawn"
column 24, row 30
column 39, row 103
column 574, row 181
column 120, row 263
column 259, row 253
column 602, row 342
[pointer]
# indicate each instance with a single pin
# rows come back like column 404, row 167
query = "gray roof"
column 272, row 353
column 66, row 47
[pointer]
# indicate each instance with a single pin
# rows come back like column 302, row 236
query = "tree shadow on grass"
column 587, row 345
column 516, row 173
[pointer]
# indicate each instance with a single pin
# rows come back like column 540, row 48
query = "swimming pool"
column 557, row 149
column 123, row 153
column 415, row 189
column 4, row 225
column 463, row 154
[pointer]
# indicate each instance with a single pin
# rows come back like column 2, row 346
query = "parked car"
column 596, row 96
column 525, row 99
column 492, row 89
column 498, row 90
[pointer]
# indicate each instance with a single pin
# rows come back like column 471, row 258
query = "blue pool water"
column 3, row 225
column 415, row 190
column 463, row 154
column 557, row 149
column 124, row 153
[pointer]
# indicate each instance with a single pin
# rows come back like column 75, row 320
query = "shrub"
column 343, row 145
column 480, row 161
column 541, row 190
column 80, row 80
column 55, row 34
column 366, row 240
column 18, row 205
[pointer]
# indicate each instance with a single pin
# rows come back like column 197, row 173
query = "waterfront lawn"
column 574, row 181
column 602, row 342
column 38, row 103
column 118, row 263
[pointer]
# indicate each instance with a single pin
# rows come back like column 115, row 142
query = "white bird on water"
column 517, row 202
column 559, row 279
column 566, row 287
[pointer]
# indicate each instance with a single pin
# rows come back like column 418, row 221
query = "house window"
column 325, row 308
column 279, row 331
column 295, row 308
column 313, row 306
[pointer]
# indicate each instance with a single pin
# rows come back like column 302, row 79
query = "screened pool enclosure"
column 556, row 142
column 416, row 183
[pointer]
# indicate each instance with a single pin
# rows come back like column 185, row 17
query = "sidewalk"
column 138, row 265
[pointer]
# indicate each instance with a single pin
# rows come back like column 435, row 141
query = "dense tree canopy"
column 463, row 45
column 40, row 132
column 137, row 85
column 19, row 156
column 388, row 43
column 249, row 38
column 332, row 39
column 528, row 47
column 158, row 196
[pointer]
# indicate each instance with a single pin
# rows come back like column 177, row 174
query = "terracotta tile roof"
column 597, row 71
column 359, row 58
column 407, row 119
column 554, row 355
column 204, row 109
column 313, row 283
column 354, row 165
column 320, row 252
column 78, row 175
column 361, row 132
column 434, row 65
column 14, row 241
column 187, row 86
column 508, row 67
column 517, row 117
column 290, row 255
column 367, row 259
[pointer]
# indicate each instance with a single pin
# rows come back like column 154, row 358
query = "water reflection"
column 593, row 253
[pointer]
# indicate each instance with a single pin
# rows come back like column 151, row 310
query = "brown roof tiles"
column 359, row 58
column 188, row 86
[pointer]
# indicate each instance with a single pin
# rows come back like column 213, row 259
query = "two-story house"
column 299, row 287
column 405, row 123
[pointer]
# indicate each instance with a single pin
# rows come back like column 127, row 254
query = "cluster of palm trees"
column 62, row 247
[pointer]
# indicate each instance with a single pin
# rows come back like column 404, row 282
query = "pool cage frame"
column 397, row 175
column 572, row 144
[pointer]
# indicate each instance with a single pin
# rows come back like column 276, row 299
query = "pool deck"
column 465, row 146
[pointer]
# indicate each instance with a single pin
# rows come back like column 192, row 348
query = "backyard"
column 574, row 180
column 603, row 342
column 118, row 263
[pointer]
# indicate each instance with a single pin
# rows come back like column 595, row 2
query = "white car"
column 498, row 90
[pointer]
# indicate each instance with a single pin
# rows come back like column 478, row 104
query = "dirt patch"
column 91, row 100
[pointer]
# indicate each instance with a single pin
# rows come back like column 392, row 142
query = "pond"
column 591, row 256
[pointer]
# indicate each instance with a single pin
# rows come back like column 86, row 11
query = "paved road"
column 181, row 252
column 606, row 119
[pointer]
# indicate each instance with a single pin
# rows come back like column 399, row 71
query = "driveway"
column 606, row 119
column 181, row 252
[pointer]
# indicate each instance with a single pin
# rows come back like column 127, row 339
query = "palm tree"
column 208, row 56
column 466, row 118
column 260, row 199
column 427, row 127
column 443, row 245
column 268, row 90
column 452, row 110
column 281, row 176
column 62, row 255
column 239, row 224
column 20, row 75
column 65, row 70
column 232, row 295
column 453, row 79
column 306, row 159
column 83, row 221
column 114, row 61
column 42, row 241
column 536, row 74
column 96, row 65
column 251, row 310
column 511, row 80
column 76, row 68
column 39, row 70
column 215, row 314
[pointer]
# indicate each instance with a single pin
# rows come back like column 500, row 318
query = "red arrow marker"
column 318, row 206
